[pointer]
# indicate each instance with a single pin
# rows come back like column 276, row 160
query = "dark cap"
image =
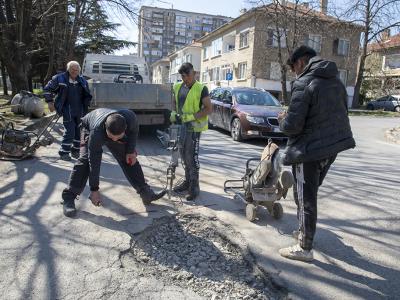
column 300, row 52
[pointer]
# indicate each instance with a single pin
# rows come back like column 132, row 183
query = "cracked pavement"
column 44, row 255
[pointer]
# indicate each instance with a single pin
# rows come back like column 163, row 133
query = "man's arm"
column 206, row 108
column 132, row 134
column 95, row 152
column 293, row 123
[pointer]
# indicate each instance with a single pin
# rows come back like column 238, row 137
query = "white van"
column 106, row 68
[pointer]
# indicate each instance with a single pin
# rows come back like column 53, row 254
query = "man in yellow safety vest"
column 193, row 105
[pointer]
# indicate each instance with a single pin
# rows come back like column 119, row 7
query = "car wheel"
column 236, row 130
column 370, row 107
column 397, row 109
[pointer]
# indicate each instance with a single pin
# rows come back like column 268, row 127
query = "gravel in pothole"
column 198, row 253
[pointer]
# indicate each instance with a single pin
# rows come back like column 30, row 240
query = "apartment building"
column 190, row 53
column 160, row 71
column 247, row 48
column 382, row 66
column 162, row 31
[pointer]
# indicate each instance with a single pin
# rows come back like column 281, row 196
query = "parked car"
column 246, row 112
column 390, row 102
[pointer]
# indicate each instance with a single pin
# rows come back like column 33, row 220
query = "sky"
column 230, row 8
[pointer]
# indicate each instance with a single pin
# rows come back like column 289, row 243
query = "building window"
column 391, row 62
column 96, row 68
column 204, row 77
column 198, row 28
column 242, row 70
column 215, row 73
column 343, row 76
column 244, row 39
column 225, row 69
column 343, row 47
column 273, row 37
column 188, row 58
column 216, row 47
column 206, row 52
column 314, row 41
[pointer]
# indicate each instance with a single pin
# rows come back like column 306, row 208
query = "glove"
column 188, row 118
column 172, row 117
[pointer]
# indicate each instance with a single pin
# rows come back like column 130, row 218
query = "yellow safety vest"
column 192, row 104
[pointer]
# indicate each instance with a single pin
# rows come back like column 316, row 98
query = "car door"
column 380, row 103
column 227, row 109
column 389, row 104
column 216, row 102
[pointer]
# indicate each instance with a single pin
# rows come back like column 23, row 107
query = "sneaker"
column 297, row 253
column 75, row 154
column 65, row 157
column 69, row 208
column 148, row 195
column 181, row 187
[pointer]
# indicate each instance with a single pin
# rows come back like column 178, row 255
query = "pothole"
column 200, row 254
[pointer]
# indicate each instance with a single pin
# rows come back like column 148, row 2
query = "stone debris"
column 197, row 253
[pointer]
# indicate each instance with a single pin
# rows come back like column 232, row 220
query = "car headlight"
column 255, row 120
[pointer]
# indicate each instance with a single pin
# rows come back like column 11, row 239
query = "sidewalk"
column 393, row 135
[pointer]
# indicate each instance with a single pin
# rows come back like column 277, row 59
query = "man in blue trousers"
column 68, row 94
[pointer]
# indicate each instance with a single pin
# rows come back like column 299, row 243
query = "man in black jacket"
column 318, row 128
column 118, row 130
column 69, row 95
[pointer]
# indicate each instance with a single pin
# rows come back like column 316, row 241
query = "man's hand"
column 51, row 106
column 188, row 118
column 172, row 117
column 131, row 158
column 95, row 198
column 282, row 115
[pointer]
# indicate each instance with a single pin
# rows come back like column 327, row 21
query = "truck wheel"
column 277, row 211
column 370, row 107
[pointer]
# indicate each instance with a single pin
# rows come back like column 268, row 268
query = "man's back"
column 318, row 125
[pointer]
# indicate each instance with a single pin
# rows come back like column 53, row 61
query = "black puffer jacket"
column 317, row 122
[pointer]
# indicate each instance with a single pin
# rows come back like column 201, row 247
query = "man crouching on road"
column 118, row 130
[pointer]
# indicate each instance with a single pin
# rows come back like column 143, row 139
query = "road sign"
column 229, row 76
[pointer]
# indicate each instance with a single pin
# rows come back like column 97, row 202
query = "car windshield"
column 255, row 98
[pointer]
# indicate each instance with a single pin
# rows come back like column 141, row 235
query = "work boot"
column 194, row 190
column 75, row 154
column 69, row 203
column 297, row 253
column 181, row 187
column 148, row 195
column 65, row 157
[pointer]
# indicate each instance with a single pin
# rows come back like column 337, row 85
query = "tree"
column 4, row 78
column 290, row 21
column 375, row 17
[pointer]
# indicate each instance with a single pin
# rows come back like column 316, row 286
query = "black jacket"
column 317, row 122
column 94, row 124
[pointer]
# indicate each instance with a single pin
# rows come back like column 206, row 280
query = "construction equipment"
column 264, row 185
column 20, row 144
column 172, row 141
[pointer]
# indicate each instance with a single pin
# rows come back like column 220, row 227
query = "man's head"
column 187, row 73
column 115, row 126
column 300, row 58
column 73, row 69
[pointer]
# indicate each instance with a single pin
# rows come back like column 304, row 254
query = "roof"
column 160, row 61
column 270, row 8
column 183, row 11
column 390, row 42
column 195, row 44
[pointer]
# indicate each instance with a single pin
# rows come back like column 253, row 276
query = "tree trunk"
column 4, row 79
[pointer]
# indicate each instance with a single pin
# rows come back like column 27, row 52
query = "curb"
column 393, row 135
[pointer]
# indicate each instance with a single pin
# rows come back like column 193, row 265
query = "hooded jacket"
column 317, row 122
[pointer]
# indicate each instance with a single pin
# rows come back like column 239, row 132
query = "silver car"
column 390, row 103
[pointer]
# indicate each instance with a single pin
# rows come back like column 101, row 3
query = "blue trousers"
column 71, row 138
